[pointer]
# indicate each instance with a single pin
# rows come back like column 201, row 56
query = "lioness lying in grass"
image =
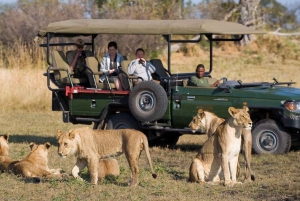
column 35, row 164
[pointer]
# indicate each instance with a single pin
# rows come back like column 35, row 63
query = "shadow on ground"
column 31, row 138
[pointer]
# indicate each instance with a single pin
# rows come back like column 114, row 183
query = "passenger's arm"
column 150, row 67
column 72, row 65
column 104, row 65
column 217, row 83
column 194, row 81
column 131, row 67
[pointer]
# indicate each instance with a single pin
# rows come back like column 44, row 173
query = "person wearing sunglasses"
column 76, row 59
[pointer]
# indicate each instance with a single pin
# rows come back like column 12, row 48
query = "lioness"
column 35, row 164
column 5, row 160
column 218, row 157
column 89, row 146
column 207, row 122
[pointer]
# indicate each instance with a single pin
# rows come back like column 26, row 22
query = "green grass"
column 277, row 176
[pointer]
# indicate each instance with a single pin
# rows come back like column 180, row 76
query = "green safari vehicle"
column 163, row 111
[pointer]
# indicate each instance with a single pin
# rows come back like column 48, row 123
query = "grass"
column 25, row 114
column 277, row 176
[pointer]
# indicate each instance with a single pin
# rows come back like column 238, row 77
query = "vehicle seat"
column 126, row 78
column 62, row 71
column 160, row 72
column 93, row 73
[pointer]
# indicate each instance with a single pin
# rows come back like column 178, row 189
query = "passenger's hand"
column 217, row 83
column 142, row 61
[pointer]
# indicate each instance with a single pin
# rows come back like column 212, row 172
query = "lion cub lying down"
column 89, row 146
column 35, row 164
column 218, row 158
column 5, row 160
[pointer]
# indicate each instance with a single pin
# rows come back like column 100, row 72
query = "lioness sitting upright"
column 89, row 146
column 218, row 158
column 35, row 164
column 207, row 122
column 5, row 160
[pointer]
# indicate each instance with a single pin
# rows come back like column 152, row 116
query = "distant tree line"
column 21, row 21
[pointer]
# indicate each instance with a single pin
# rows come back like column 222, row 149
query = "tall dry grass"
column 23, row 86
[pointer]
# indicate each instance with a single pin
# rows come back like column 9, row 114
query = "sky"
column 284, row 2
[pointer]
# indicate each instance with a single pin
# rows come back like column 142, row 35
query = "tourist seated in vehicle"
column 76, row 59
column 199, row 80
column 110, row 65
column 141, row 67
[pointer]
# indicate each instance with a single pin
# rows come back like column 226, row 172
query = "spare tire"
column 148, row 101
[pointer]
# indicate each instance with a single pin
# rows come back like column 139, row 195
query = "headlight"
column 293, row 106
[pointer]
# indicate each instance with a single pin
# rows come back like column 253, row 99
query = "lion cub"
column 35, row 164
column 218, row 158
column 89, row 146
column 108, row 167
column 5, row 160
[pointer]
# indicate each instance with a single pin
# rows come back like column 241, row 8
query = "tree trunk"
column 250, row 16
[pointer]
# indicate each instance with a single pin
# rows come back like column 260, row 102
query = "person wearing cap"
column 110, row 65
column 76, row 59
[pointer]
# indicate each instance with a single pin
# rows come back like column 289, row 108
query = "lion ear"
column 47, row 145
column 200, row 113
column 31, row 145
column 246, row 108
column 6, row 137
column 72, row 134
column 58, row 133
column 232, row 111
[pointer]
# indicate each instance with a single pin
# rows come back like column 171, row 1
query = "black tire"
column 148, row 101
column 122, row 121
column 168, row 140
column 270, row 137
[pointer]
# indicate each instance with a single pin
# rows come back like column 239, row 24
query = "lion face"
column 241, row 117
column 4, row 145
column 198, row 122
column 66, row 143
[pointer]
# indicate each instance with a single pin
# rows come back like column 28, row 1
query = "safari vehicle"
column 163, row 111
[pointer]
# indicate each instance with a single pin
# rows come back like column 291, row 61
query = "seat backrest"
column 92, row 63
column 160, row 70
column 126, row 82
column 124, row 65
column 59, row 60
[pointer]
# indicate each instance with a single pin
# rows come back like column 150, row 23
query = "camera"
column 83, row 54
column 141, row 62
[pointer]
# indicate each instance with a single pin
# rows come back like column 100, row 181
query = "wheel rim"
column 121, row 125
column 268, row 140
column 146, row 101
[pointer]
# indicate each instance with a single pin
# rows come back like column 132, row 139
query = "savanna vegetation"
column 25, row 100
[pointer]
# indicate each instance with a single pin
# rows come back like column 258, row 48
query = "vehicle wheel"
column 269, row 137
column 148, row 101
column 168, row 140
column 122, row 121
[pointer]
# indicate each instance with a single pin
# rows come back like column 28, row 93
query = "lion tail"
column 146, row 147
column 193, row 174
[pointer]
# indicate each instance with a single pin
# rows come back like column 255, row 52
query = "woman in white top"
column 110, row 65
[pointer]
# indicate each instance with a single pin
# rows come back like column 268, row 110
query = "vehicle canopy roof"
column 147, row 27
